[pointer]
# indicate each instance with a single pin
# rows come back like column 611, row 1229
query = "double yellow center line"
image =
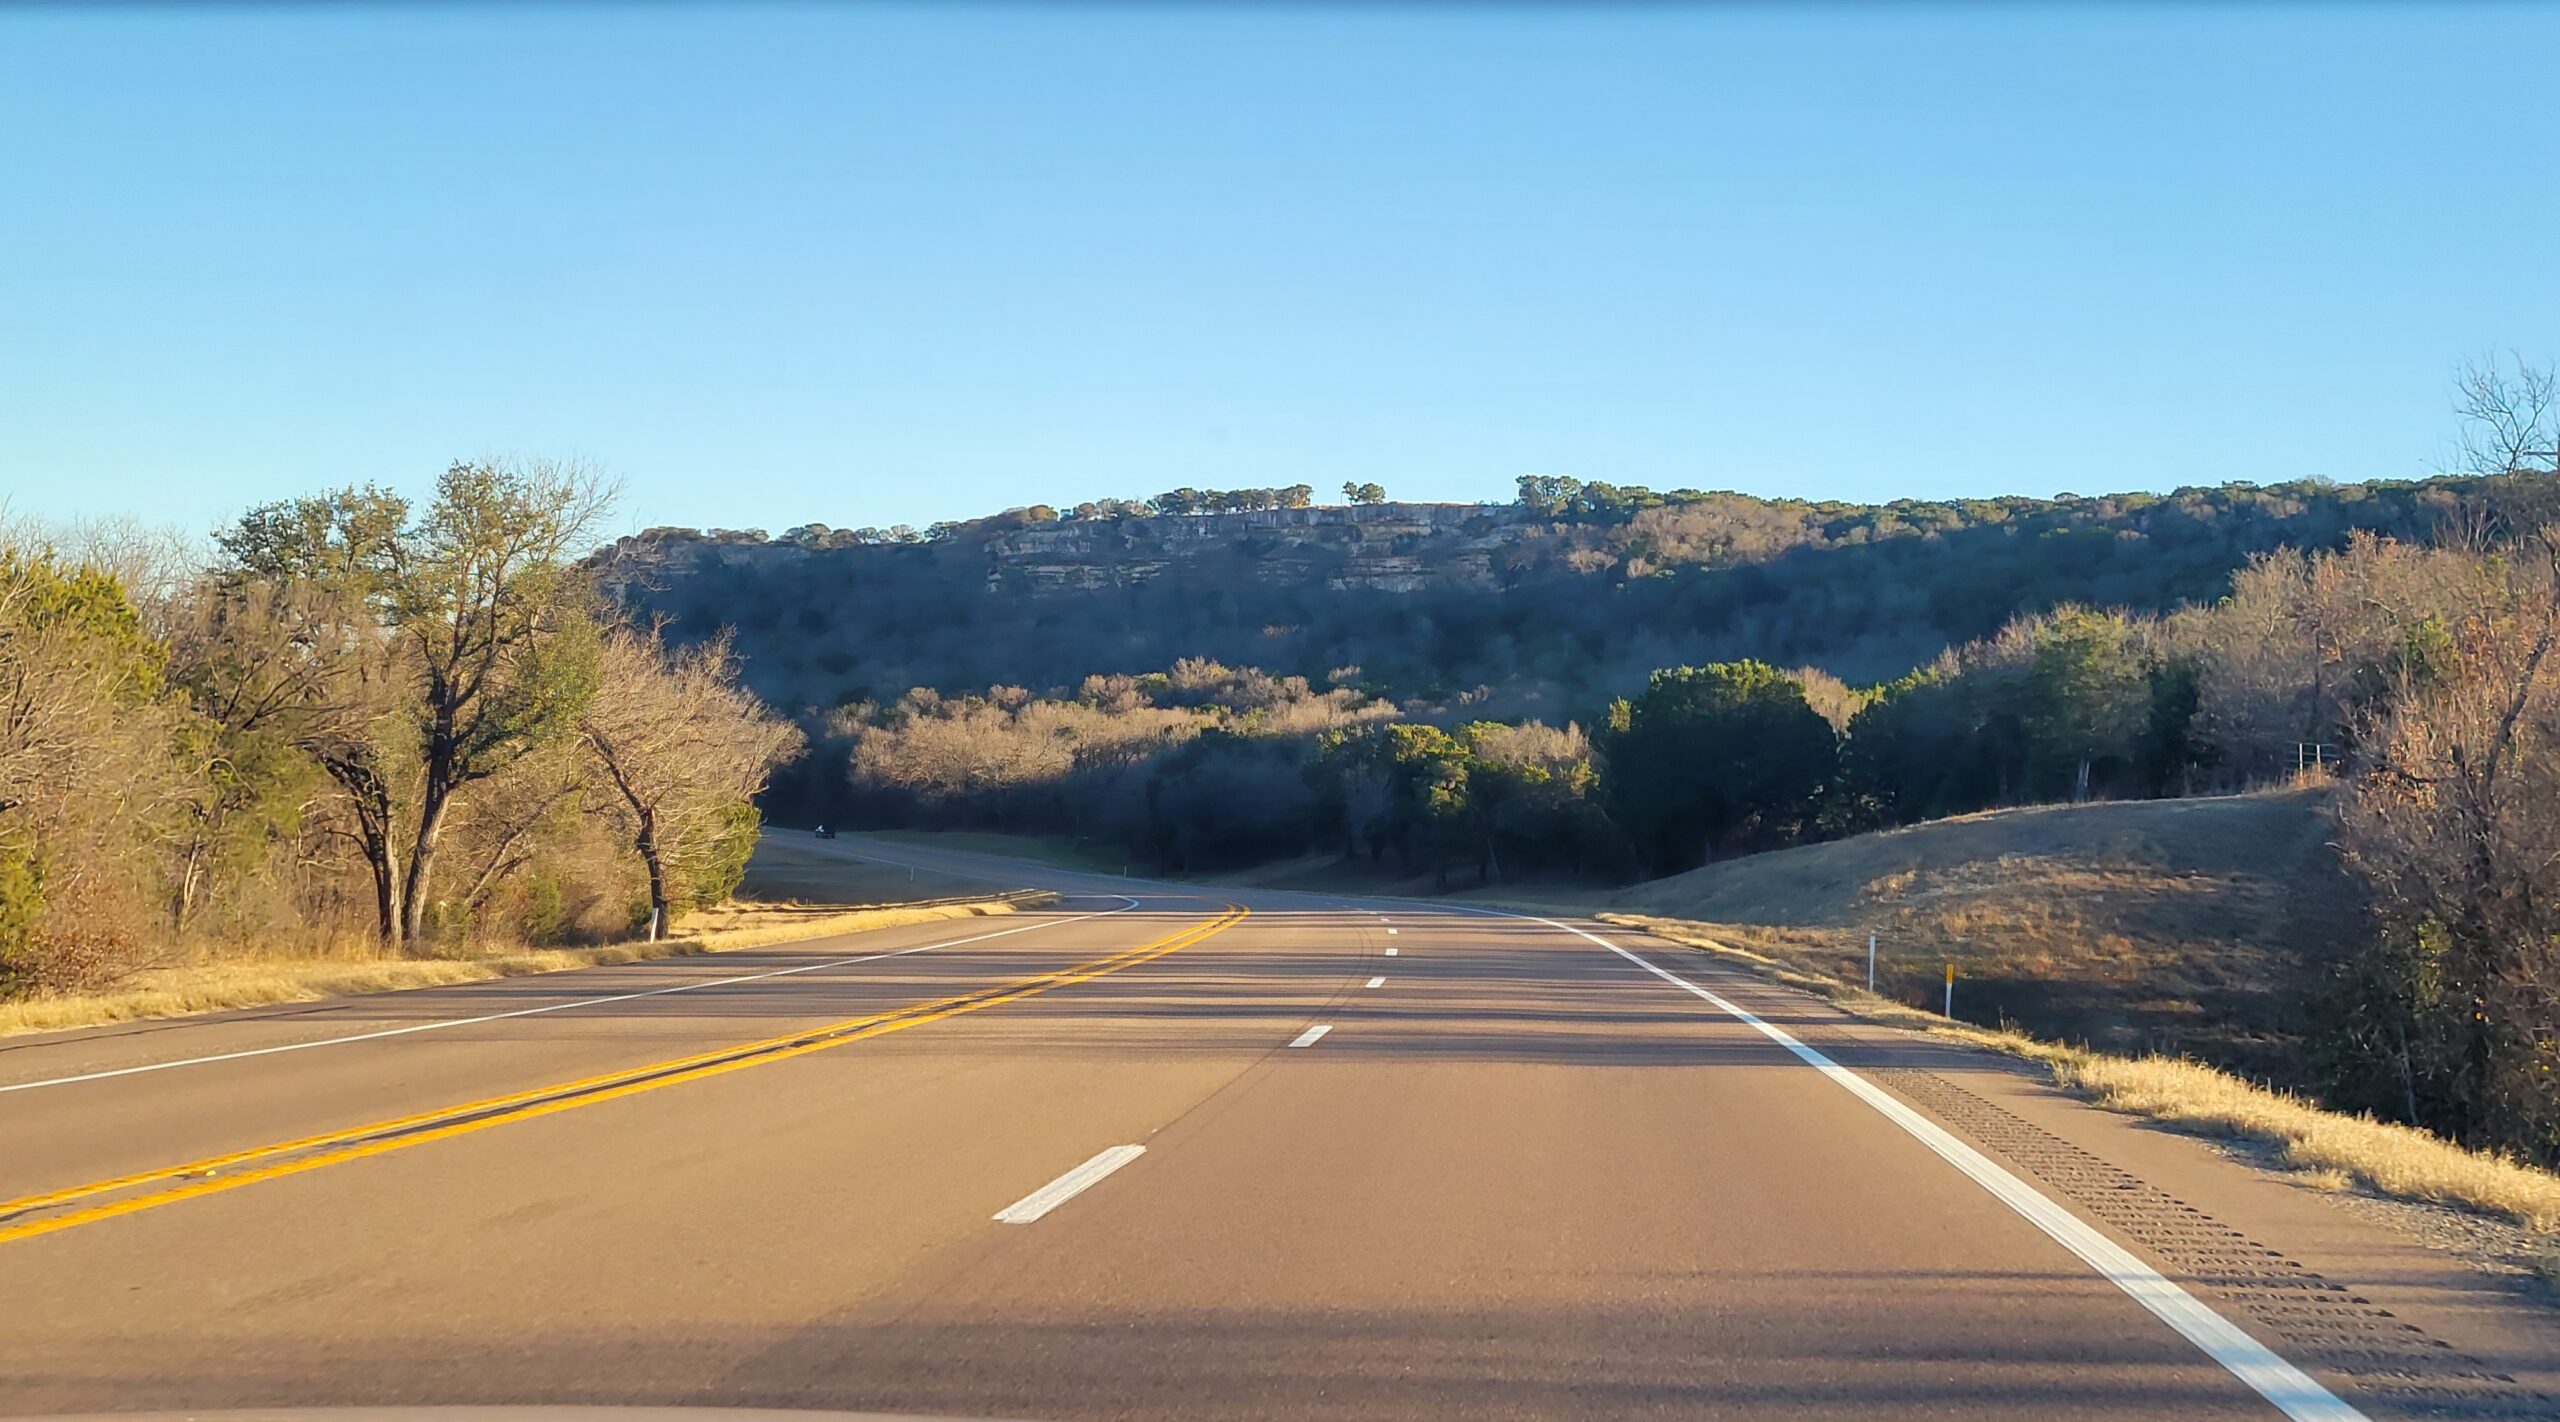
column 33, row 1215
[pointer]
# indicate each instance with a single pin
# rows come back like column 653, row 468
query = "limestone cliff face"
column 1385, row 547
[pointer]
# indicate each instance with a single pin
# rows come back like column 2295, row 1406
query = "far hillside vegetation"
column 1550, row 603
column 1860, row 668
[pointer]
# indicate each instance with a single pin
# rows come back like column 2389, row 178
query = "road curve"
column 1168, row 1152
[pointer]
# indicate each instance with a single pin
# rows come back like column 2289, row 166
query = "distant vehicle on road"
column 825, row 833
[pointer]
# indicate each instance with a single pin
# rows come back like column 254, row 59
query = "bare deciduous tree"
column 82, row 729
column 2456, row 823
column 2298, row 652
column 2510, row 416
column 685, row 747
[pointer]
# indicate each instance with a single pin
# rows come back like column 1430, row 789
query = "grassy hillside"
column 2195, row 926
column 789, row 869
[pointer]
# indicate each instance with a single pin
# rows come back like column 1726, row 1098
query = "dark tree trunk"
column 354, row 772
column 645, row 840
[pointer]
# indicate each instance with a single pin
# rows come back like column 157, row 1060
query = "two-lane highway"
column 1156, row 1153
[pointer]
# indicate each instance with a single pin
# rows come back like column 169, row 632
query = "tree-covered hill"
column 1552, row 603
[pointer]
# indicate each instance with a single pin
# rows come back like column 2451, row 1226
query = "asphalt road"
column 1145, row 1155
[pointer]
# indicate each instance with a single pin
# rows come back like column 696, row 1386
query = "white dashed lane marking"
column 1066, row 1187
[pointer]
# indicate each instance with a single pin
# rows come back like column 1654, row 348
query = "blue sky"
column 877, row 264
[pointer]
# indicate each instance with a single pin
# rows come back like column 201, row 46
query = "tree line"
column 418, row 722
column 1173, row 503
column 1562, row 614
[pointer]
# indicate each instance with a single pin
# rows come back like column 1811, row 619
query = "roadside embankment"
column 2184, row 928
column 851, row 895
column 231, row 982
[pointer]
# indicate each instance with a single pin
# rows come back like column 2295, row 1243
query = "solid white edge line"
column 1309, row 1036
column 441, row 1023
column 1377, row 982
column 1066, row 1187
column 2292, row 1391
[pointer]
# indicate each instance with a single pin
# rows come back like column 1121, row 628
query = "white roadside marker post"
column 1871, row 965
column 1951, row 992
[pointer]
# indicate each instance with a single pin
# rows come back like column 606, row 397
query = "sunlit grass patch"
column 341, row 970
column 2396, row 1160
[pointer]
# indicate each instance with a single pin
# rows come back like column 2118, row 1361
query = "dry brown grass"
column 854, row 896
column 2399, row 1161
column 2334, row 1151
column 2183, row 927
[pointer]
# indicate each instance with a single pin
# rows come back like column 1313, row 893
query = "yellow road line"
column 204, row 1177
column 241, row 1157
